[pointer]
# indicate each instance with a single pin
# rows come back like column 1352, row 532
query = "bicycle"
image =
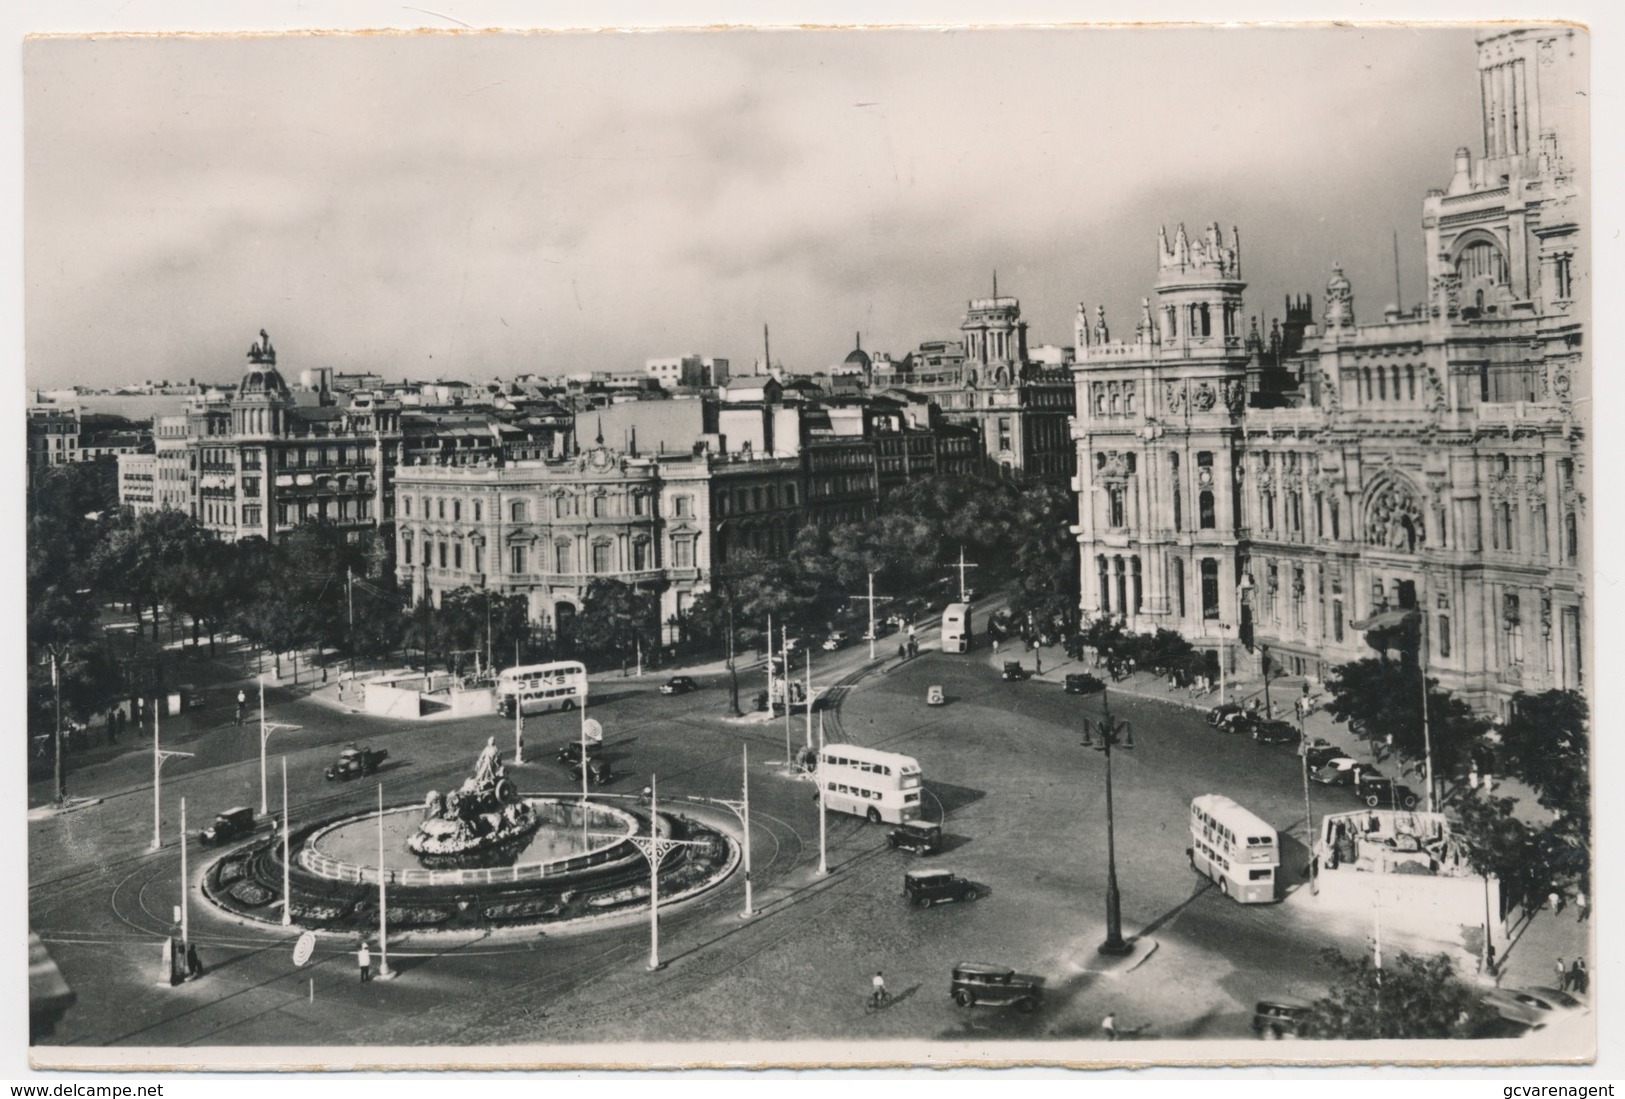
column 878, row 1000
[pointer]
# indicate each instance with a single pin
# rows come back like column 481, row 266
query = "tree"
column 616, row 619
column 1380, row 699
column 1409, row 997
column 1501, row 846
column 1043, row 560
column 1546, row 743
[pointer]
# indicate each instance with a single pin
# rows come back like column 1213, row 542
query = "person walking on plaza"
column 1562, row 975
column 878, row 996
column 1582, row 906
column 1579, row 977
column 242, row 702
column 363, row 959
column 1108, row 1026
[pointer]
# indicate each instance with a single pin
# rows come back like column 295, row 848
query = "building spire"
column 995, row 282
column 600, row 430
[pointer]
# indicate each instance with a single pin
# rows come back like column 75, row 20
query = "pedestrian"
column 879, row 995
column 1582, row 905
column 1555, row 900
column 1108, row 1026
column 194, row 967
column 242, row 702
column 902, row 652
column 363, row 959
column 995, row 646
column 1562, row 974
column 1579, row 977
column 913, row 648
column 341, row 690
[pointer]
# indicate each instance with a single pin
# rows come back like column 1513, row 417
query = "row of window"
column 564, row 507
column 449, row 555
column 754, row 499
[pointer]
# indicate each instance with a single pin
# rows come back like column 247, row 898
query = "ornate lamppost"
column 1111, row 733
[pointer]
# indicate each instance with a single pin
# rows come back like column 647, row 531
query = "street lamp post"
column 740, row 809
column 158, row 757
column 823, row 816
column 1264, row 662
column 266, row 729
column 384, row 972
column 56, row 691
column 654, row 848
column 1112, row 733
column 287, row 883
column 733, row 668
column 1308, row 814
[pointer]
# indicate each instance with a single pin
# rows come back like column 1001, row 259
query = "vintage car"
column 916, row 836
column 926, row 887
column 598, row 771
column 1270, row 731
column 1384, row 793
column 1014, row 671
column 1338, row 771
column 837, row 639
column 1533, row 1007
column 356, row 763
column 1082, row 683
column 1279, row 1018
column 1320, row 752
column 230, row 825
column 679, row 685
column 570, row 754
column 995, row 986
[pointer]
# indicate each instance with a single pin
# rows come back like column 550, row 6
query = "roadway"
column 1024, row 806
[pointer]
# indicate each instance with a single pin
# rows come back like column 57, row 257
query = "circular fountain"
column 482, row 855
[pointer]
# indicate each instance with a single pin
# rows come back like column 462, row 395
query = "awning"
column 1387, row 620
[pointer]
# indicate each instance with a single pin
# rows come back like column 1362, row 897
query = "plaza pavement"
column 1537, row 939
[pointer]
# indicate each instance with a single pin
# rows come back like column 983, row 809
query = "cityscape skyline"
column 449, row 248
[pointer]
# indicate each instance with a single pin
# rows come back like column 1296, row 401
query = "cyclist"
column 880, row 997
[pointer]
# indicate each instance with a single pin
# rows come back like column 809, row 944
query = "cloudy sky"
column 488, row 205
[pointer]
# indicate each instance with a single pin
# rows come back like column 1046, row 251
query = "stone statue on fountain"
column 481, row 823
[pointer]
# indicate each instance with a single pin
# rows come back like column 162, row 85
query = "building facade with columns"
column 1264, row 497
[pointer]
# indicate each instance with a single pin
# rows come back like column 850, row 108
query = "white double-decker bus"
column 539, row 688
column 867, row 782
column 956, row 636
column 1235, row 848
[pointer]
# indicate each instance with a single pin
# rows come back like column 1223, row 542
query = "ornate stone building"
column 988, row 381
column 1263, row 496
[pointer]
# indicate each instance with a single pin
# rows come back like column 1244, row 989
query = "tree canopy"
column 1409, row 997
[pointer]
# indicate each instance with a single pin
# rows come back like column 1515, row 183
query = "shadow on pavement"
column 953, row 798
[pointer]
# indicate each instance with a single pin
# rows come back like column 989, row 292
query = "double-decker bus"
column 538, row 688
column 1235, row 848
column 956, row 636
column 867, row 782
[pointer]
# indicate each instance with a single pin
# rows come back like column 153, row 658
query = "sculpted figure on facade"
column 1394, row 519
column 1204, row 398
column 1235, row 395
column 1176, row 397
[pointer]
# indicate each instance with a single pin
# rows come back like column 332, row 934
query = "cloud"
column 555, row 201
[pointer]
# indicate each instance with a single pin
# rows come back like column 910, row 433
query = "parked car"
column 882, row 628
column 1013, row 670
column 835, row 640
column 1270, row 731
column 1533, row 1007
column 927, row 887
column 1082, row 683
column 679, row 685
column 598, row 771
column 917, row 837
column 356, row 763
column 230, row 825
column 1336, row 772
column 570, row 754
column 995, row 986
column 1380, row 792
column 1219, row 713
column 1279, row 1018
column 1321, row 752
column 1241, row 721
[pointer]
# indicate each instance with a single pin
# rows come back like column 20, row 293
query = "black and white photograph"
column 1062, row 545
